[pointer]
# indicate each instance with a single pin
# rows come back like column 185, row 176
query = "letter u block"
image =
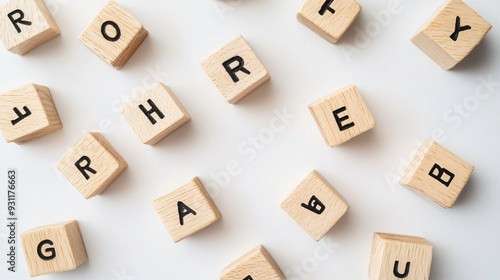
column 254, row 265
column 53, row 248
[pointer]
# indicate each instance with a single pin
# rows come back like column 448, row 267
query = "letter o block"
column 53, row 248
column 257, row 264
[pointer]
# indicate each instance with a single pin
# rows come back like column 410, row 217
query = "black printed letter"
column 19, row 20
column 52, row 251
column 440, row 172
column 20, row 116
column 396, row 270
column 232, row 71
column 458, row 29
column 314, row 205
column 87, row 167
column 248, row 278
column 326, row 7
column 105, row 34
column 153, row 109
column 339, row 120
column 183, row 211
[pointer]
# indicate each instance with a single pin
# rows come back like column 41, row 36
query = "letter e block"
column 53, row 248
column 256, row 264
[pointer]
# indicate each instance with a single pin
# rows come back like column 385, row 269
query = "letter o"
column 105, row 34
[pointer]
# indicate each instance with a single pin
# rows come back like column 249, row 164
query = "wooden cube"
column 315, row 205
column 257, row 264
column 53, row 248
column 451, row 33
column 235, row 70
column 342, row 116
column 27, row 113
column 399, row 257
column 155, row 114
column 437, row 173
column 187, row 210
column 329, row 18
column 114, row 35
column 92, row 165
column 25, row 25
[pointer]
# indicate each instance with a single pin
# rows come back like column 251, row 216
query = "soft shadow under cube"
column 257, row 264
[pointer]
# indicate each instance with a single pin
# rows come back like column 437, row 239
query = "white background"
column 410, row 96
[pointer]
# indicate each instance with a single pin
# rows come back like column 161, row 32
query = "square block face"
column 155, row 114
column 437, row 173
column 27, row 113
column 53, row 248
column 329, row 18
column 315, row 205
column 342, row 116
column 451, row 34
column 187, row 210
column 25, row 25
column 396, row 257
column 91, row 165
column 114, row 35
column 235, row 70
column 257, row 264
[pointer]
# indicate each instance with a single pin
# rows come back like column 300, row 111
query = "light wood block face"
column 437, row 173
column 329, row 18
column 235, row 70
column 91, row 165
column 155, row 114
column 114, row 35
column 187, row 210
column 257, row 264
column 25, row 25
column 397, row 257
column 451, row 33
column 315, row 205
column 342, row 116
column 53, row 248
column 27, row 113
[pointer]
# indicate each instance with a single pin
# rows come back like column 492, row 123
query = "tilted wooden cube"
column 437, row 173
column 451, row 33
column 396, row 257
column 257, row 264
column 91, row 165
column 53, row 248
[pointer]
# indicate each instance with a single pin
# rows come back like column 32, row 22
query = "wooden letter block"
column 235, row 70
column 91, row 165
column 53, row 248
column 187, row 210
column 27, row 113
column 114, row 35
column 25, row 25
column 315, row 205
column 257, row 264
column 400, row 257
column 342, row 116
column 329, row 18
column 437, row 173
column 155, row 114
column 451, row 34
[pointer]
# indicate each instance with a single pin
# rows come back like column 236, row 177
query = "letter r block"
column 53, row 248
column 256, row 264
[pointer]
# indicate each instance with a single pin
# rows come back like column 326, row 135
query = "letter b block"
column 257, row 264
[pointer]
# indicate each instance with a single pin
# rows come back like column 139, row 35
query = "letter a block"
column 25, row 25
column 437, row 173
column 329, row 18
column 396, row 257
column 114, row 35
column 451, row 34
column 187, row 210
column 53, row 248
column 27, row 113
column 91, row 165
column 257, row 264
column 342, row 116
column 315, row 205
column 235, row 70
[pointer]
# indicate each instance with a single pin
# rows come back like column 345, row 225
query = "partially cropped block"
column 257, row 264
column 187, row 210
column 329, row 18
column 342, row 116
column 92, row 165
column 235, row 70
column 53, row 248
column 27, row 113
column 25, row 25
column 396, row 257
column 155, row 114
column 451, row 33
column 114, row 35
column 315, row 205
column 437, row 173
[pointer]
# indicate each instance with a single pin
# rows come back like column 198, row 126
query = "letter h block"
column 254, row 265
column 53, row 248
